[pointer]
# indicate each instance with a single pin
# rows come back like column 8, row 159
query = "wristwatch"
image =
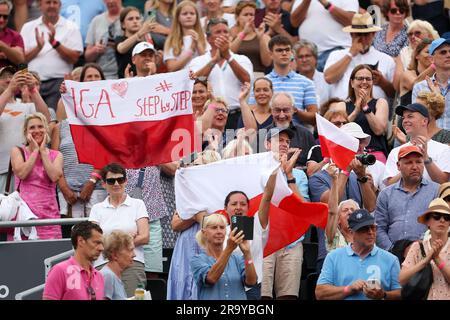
column 363, row 179
column 366, row 109
column 430, row 160
column 291, row 180
column 327, row 5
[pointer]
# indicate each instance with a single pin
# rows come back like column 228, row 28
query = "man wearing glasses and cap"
column 440, row 81
column 436, row 156
column 361, row 270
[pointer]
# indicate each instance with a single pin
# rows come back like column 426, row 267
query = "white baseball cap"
column 355, row 130
column 142, row 46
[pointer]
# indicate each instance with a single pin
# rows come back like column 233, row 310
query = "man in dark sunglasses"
column 76, row 278
column 11, row 48
column 361, row 270
column 440, row 53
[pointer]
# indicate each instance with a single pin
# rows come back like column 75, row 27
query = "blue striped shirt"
column 299, row 86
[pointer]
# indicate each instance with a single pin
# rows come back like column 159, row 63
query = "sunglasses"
column 4, row 16
column 414, row 33
column 112, row 181
column 396, row 10
column 437, row 216
column 367, row 228
column 368, row 79
column 91, row 293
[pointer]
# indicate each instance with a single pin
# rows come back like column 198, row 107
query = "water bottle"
column 139, row 293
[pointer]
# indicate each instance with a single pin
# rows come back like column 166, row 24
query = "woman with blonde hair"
column 218, row 266
column 161, row 12
column 37, row 169
column 119, row 251
column 417, row 31
column 186, row 39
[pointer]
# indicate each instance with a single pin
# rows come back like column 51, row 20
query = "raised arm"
column 333, row 200
column 264, row 206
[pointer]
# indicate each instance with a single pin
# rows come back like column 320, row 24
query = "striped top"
column 76, row 174
column 299, row 86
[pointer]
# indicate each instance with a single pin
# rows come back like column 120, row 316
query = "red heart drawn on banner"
column 120, row 88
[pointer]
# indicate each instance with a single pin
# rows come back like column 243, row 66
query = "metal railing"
column 41, row 222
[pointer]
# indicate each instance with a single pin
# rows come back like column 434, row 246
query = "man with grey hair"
column 283, row 108
column 11, row 42
column 306, row 54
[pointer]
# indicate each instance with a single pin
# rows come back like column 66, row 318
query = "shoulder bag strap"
column 23, row 156
column 10, row 173
column 422, row 249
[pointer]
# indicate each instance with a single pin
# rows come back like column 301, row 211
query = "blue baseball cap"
column 360, row 218
column 414, row 107
column 437, row 43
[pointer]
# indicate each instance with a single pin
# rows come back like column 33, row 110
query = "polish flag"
column 335, row 143
column 204, row 188
column 137, row 122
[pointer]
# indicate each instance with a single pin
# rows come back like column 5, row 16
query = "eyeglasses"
column 112, row 181
column 367, row 228
column 280, row 50
column 221, row 110
column 437, row 216
column 442, row 52
column 368, row 79
column 4, row 16
column 396, row 10
column 414, row 33
column 91, row 292
column 339, row 123
column 284, row 110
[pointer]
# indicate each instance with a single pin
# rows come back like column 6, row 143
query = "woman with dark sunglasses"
column 121, row 212
column 392, row 38
column 437, row 250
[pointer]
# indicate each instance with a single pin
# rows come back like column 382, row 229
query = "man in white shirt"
column 226, row 71
column 341, row 63
column 306, row 55
column 321, row 21
column 52, row 45
column 436, row 155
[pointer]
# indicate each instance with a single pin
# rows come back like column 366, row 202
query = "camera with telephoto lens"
column 366, row 159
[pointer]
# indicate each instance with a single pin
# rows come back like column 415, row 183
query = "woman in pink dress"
column 36, row 169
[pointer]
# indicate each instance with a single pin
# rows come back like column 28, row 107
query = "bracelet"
column 248, row 262
column 346, row 289
column 230, row 59
column 241, row 35
column 331, row 8
column 34, row 90
column 346, row 173
column 349, row 54
column 56, row 44
column 96, row 175
column 211, row 64
column 189, row 53
column 442, row 265
column 92, row 180
column 433, row 66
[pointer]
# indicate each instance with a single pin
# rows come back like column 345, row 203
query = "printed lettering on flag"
column 136, row 122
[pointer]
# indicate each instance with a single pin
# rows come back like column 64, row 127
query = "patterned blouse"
column 392, row 48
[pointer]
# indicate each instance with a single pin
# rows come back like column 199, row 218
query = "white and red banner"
column 335, row 143
column 204, row 188
column 136, row 122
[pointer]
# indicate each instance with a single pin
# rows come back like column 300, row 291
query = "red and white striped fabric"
column 204, row 188
column 136, row 122
column 335, row 143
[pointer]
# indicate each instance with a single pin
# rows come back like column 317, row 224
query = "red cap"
column 404, row 151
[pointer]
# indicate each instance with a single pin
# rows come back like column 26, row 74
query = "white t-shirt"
column 377, row 172
column 257, row 245
column 439, row 152
column 385, row 64
column 222, row 78
column 322, row 88
column 187, row 41
column 11, row 123
column 321, row 28
column 48, row 63
column 123, row 218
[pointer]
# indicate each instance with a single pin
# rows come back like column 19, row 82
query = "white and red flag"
column 335, row 143
column 204, row 188
column 136, row 122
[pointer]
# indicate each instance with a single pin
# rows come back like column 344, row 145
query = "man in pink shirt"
column 76, row 278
